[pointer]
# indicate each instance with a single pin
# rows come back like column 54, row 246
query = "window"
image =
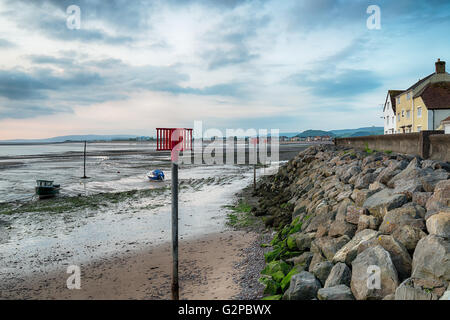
column 408, row 114
column 398, row 100
column 408, row 96
column 419, row 112
column 387, row 120
column 398, row 116
column 403, row 113
column 419, row 128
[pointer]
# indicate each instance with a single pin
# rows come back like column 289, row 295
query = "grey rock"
column 383, row 201
column 411, row 172
column 304, row 259
column 408, row 236
column 407, row 215
column 364, row 180
column 340, row 228
column 439, row 224
column 421, row 198
column 328, row 246
column 349, row 251
column 315, row 261
column 408, row 291
column 440, row 200
column 303, row 286
column 399, row 255
column 446, row 295
column 322, row 218
column 432, row 178
column 303, row 240
column 368, row 222
column 353, row 214
column 339, row 292
column 322, row 270
column 339, row 274
column 431, row 259
column 361, row 267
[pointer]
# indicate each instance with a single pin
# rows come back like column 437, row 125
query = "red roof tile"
column 437, row 95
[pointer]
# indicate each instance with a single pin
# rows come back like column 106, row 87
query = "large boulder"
column 446, row 295
column 303, row 286
column 323, row 217
column 362, row 286
column 339, row 292
column 322, row 271
column 440, row 200
column 411, row 173
column 408, row 236
column 406, row 215
column 431, row 259
column 303, row 240
column 364, row 180
column 353, row 214
column 303, row 260
column 368, row 222
column 421, row 198
column 432, row 178
column 410, row 290
column 399, row 255
column 439, row 224
column 341, row 227
column 339, row 274
column 349, row 251
column 383, row 201
column 329, row 246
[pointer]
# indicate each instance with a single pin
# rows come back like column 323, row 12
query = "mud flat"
column 207, row 270
column 120, row 238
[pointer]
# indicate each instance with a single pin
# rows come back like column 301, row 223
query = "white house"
column 389, row 112
column 445, row 125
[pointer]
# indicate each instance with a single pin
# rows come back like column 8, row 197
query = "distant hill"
column 89, row 137
column 365, row 131
column 313, row 133
column 342, row 133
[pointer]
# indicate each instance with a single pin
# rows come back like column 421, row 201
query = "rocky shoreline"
column 356, row 224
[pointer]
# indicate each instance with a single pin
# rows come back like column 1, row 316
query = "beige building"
column 425, row 104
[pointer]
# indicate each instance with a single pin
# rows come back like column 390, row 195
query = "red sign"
column 173, row 138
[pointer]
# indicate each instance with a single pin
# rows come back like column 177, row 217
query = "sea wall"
column 344, row 215
column 418, row 143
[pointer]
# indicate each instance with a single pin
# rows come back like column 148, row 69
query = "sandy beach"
column 207, row 271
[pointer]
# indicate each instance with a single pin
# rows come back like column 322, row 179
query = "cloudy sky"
column 136, row 65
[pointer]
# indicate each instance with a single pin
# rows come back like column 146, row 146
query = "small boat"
column 156, row 175
column 46, row 189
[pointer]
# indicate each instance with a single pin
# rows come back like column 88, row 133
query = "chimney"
column 440, row 66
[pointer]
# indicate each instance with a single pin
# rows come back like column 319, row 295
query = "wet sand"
column 207, row 271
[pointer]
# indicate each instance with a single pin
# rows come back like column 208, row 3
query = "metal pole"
column 175, row 286
column 254, row 177
column 84, row 174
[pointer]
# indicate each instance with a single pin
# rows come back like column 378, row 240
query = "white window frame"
column 419, row 114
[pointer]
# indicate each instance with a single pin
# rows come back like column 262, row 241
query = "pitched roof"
column 392, row 94
column 436, row 95
column 415, row 85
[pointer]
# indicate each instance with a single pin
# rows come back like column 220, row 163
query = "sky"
column 132, row 66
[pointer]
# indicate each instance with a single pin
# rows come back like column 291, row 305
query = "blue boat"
column 156, row 175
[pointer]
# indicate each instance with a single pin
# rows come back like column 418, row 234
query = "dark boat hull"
column 47, row 192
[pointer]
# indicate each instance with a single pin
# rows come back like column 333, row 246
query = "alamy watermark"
column 234, row 146
column 73, row 20
column 374, row 20
column 373, row 277
column 74, row 280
